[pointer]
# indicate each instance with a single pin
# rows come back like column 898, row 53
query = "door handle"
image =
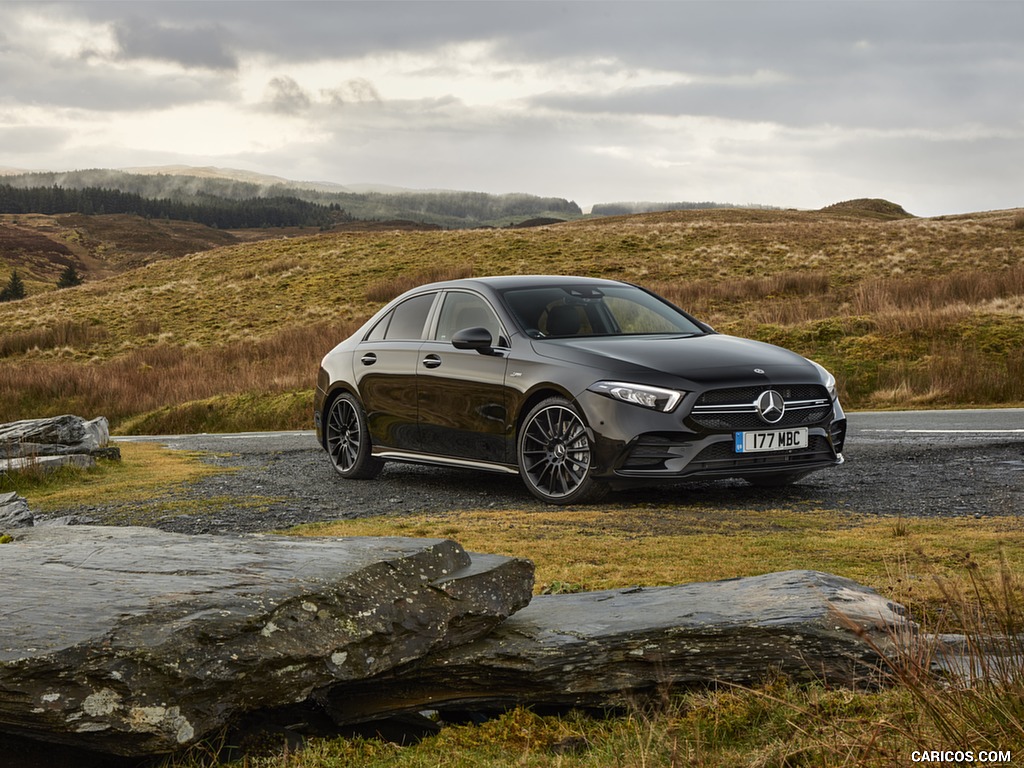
column 432, row 361
column 368, row 359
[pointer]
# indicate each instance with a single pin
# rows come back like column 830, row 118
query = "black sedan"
column 576, row 384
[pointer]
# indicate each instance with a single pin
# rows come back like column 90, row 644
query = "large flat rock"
column 609, row 648
column 47, row 463
column 53, row 436
column 133, row 641
column 43, row 445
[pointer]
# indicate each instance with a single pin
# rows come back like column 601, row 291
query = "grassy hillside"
column 41, row 246
column 906, row 311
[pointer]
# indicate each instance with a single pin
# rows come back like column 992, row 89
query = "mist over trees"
column 230, row 203
column 151, row 186
column 457, row 209
column 205, row 209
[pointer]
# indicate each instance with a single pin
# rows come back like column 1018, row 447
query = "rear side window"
column 377, row 332
column 408, row 318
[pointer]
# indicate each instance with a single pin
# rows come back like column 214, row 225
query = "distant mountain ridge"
column 367, row 202
column 631, row 208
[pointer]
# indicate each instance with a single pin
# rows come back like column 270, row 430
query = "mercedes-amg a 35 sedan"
column 576, row 384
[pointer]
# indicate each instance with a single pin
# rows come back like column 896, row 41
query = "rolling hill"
column 906, row 311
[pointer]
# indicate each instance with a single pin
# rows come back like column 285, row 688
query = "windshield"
column 573, row 310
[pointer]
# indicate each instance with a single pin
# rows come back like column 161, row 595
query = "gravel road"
column 915, row 464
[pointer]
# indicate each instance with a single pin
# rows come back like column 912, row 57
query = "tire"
column 347, row 440
column 554, row 455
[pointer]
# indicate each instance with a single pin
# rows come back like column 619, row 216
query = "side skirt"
column 444, row 461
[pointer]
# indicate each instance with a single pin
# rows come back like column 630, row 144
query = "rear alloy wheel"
column 348, row 441
column 554, row 455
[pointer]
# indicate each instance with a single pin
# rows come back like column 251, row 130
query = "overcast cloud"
column 781, row 103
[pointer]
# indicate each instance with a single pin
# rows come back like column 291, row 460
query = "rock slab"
column 53, row 436
column 53, row 442
column 611, row 648
column 132, row 641
column 14, row 512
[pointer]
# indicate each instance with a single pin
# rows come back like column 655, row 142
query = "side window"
column 408, row 318
column 466, row 310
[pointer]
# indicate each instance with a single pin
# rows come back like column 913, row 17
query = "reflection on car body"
column 576, row 384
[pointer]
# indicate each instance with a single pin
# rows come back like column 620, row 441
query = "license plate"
column 774, row 440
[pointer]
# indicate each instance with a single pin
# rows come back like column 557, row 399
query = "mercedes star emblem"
column 771, row 407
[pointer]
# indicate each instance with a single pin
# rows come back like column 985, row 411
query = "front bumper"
column 633, row 444
column 715, row 456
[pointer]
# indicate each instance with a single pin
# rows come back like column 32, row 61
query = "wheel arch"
column 536, row 396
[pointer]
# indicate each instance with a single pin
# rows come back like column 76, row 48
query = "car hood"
column 706, row 359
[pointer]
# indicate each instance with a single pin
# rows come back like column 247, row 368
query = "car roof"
column 506, row 282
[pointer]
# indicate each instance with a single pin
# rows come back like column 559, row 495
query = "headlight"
column 827, row 379
column 639, row 394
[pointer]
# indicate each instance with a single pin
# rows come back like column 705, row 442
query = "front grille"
column 750, row 394
column 748, row 421
column 726, row 410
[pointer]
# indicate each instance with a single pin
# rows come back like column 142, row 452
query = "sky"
column 791, row 104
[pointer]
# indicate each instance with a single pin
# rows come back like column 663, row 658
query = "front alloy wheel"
column 348, row 441
column 554, row 455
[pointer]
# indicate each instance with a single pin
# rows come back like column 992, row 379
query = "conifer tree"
column 14, row 290
column 69, row 277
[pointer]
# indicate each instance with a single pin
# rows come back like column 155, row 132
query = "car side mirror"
column 478, row 338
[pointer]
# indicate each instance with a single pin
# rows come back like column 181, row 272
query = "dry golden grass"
column 906, row 312
column 610, row 547
column 145, row 470
column 389, row 288
column 149, row 378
